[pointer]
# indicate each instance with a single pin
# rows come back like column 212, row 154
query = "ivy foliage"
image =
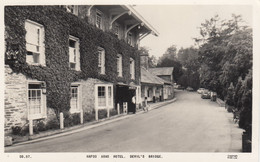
column 58, row 25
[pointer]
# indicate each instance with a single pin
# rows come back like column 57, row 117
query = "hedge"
column 58, row 25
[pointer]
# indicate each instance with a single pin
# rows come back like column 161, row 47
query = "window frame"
column 43, row 109
column 116, row 29
column 77, row 62
column 99, row 16
column 75, row 9
column 132, row 68
column 107, row 105
column 129, row 38
column 119, row 65
column 40, row 43
column 79, row 98
column 101, row 61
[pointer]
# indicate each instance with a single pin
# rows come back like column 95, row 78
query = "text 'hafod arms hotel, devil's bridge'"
column 76, row 59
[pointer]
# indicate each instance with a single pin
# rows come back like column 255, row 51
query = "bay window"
column 104, row 96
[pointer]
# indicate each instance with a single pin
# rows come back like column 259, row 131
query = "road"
column 190, row 124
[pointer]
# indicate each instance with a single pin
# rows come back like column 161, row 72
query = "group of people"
column 145, row 107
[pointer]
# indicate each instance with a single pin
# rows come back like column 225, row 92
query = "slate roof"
column 149, row 78
column 161, row 70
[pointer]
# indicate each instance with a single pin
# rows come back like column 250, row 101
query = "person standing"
column 134, row 103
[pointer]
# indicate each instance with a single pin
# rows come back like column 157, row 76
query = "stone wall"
column 15, row 99
column 88, row 94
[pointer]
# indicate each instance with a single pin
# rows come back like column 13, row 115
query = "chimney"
column 144, row 60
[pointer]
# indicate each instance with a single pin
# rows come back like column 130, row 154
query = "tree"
column 152, row 61
column 169, row 59
column 188, row 57
column 226, row 53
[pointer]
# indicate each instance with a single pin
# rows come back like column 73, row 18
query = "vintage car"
column 205, row 94
column 189, row 89
column 200, row 90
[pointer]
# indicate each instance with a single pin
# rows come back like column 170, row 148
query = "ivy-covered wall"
column 58, row 25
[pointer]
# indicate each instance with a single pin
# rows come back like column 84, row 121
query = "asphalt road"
column 190, row 124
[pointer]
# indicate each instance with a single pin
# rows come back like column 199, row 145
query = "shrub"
column 25, row 130
column 52, row 124
column 71, row 119
column 89, row 116
column 75, row 118
column 67, row 119
column 40, row 126
column 16, row 130
column 21, row 131
column 102, row 113
column 113, row 112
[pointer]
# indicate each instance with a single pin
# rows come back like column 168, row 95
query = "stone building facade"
column 97, row 68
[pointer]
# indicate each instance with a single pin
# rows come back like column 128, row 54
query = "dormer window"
column 98, row 19
column 130, row 38
column 116, row 30
column 72, row 9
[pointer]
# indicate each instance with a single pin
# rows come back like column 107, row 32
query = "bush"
column 52, row 124
column 113, row 112
column 25, row 130
column 102, row 113
column 71, row 119
column 89, row 116
column 75, row 118
column 21, row 131
column 40, row 126
column 16, row 130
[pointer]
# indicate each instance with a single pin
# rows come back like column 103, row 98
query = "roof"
column 147, row 77
column 141, row 19
column 161, row 70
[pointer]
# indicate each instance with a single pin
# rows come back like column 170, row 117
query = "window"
column 75, row 99
column 132, row 68
column 36, row 101
column 101, row 96
column 99, row 19
column 74, row 56
column 101, row 60
column 129, row 38
column 117, row 30
column 72, row 9
column 104, row 96
column 119, row 65
column 34, row 43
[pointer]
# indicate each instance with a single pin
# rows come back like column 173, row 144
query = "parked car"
column 205, row 94
column 200, row 90
column 213, row 96
column 189, row 89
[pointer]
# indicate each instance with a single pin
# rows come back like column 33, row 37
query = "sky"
column 178, row 24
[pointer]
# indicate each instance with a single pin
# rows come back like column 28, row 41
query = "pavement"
column 67, row 131
column 190, row 124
